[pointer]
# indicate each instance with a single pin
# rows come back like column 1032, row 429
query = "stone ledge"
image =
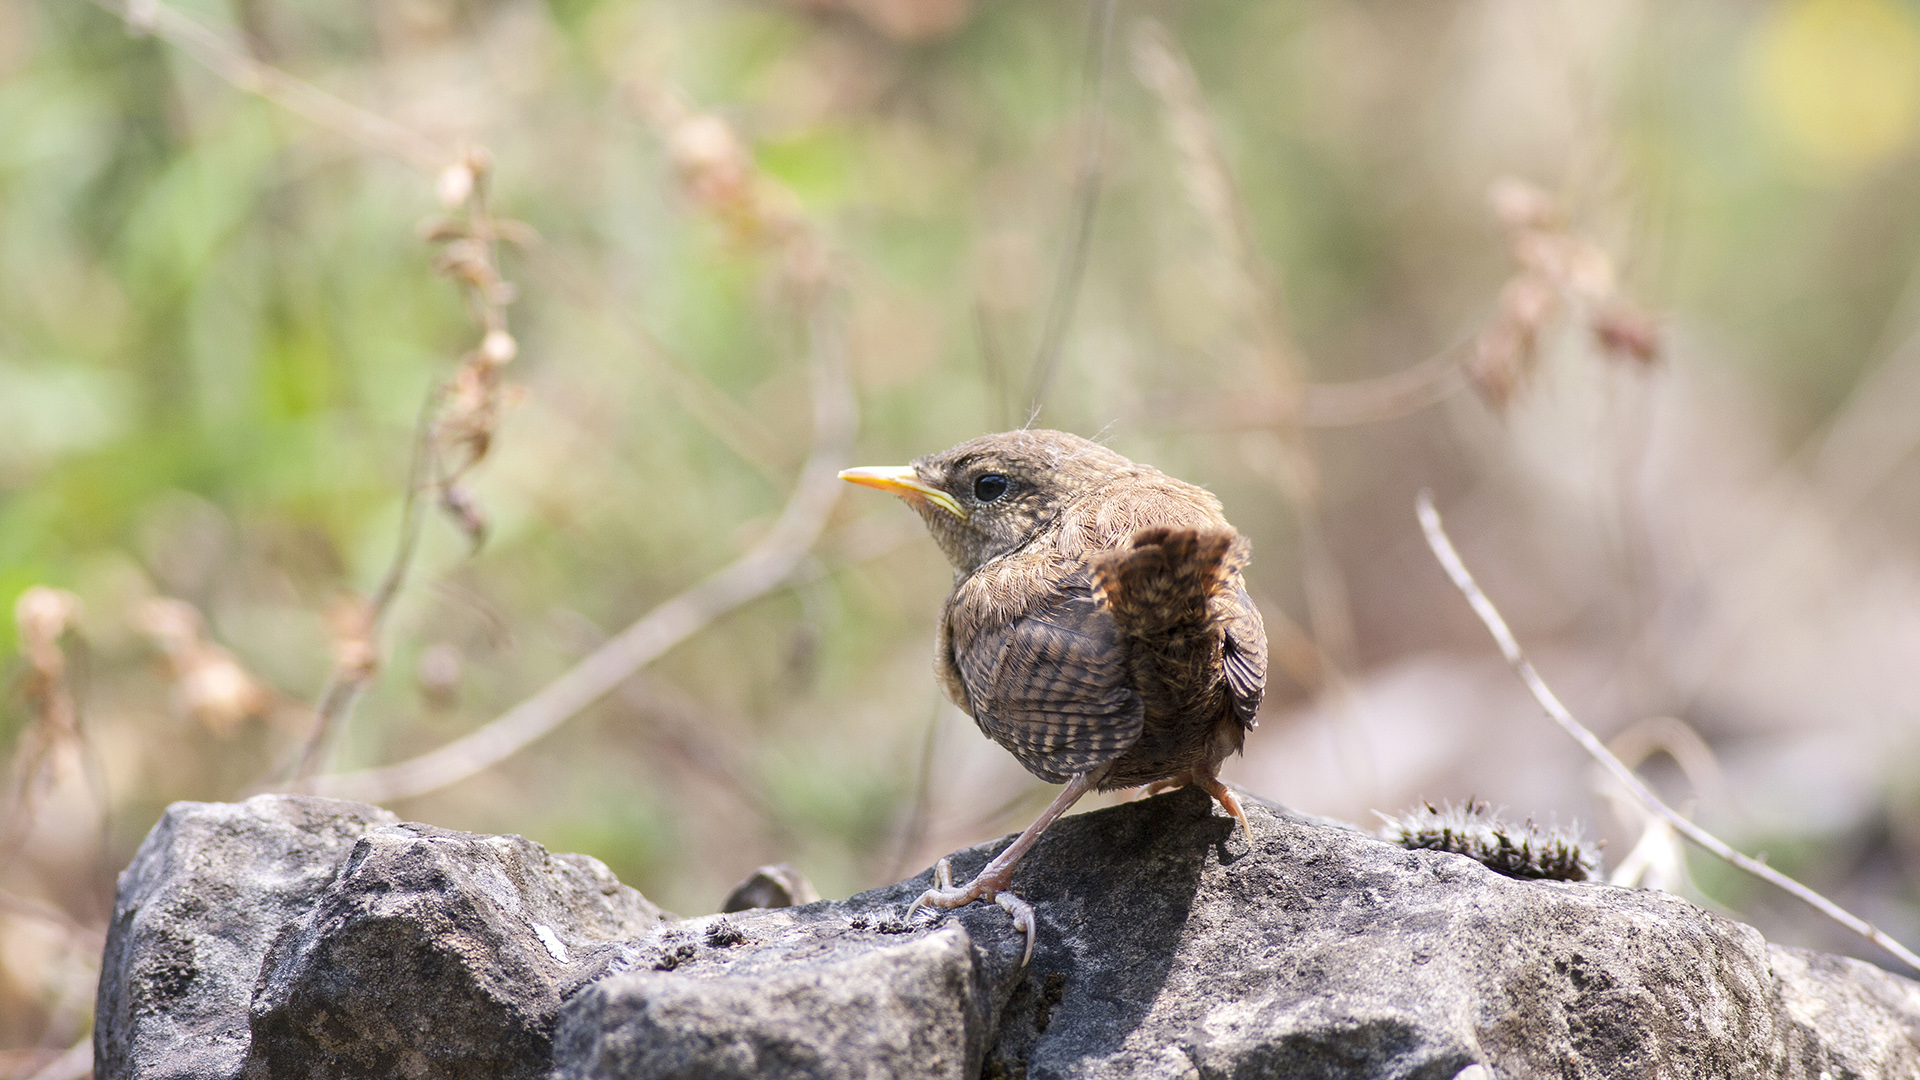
column 298, row 937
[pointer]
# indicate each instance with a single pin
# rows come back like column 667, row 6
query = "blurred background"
column 1631, row 286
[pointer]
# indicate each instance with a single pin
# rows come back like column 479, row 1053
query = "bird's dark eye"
column 990, row 487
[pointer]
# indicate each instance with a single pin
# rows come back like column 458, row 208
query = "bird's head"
column 991, row 495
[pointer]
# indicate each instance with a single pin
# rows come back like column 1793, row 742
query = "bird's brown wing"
column 1243, row 653
column 1052, row 685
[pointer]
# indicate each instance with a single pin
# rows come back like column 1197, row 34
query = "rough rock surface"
column 299, row 937
column 314, row 938
column 211, row 887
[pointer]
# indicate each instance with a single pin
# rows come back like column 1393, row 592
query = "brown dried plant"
column 718, row 176
column 461, row 417
column 456, row 431
column 472, row 399
column 1558, row 270
column 43, row 616
column 719, row 179
column 209, row 683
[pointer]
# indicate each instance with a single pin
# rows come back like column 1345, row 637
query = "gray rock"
column 439, row 954
column 197, row 909
column 775, row 886
column 805, row 997
column 290, row 936
column 1167, row 948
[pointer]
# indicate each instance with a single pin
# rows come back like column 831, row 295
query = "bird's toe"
column 1023, row 920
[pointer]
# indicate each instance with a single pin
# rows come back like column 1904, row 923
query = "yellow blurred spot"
column 1839, row 79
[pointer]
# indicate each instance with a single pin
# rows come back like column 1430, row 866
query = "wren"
column 1098, row 628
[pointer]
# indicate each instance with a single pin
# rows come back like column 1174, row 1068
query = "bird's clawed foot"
column 1208, row 783
column 1223, row 795
column 987, row 885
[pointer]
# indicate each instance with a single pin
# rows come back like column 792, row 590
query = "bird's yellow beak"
column 901, row 480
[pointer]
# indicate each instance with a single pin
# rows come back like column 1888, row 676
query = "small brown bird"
column 1098, row 627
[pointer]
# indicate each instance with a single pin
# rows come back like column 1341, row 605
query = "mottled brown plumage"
column 1098, row 626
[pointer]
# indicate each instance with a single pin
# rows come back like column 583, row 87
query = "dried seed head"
column 174, row 625
column 1626, row 333
column 219, row 693
column 1509, row 346
column 439, row 671
column 42, row 615
column 439, row 230
column 498, row 347
column 455, row 185
column 464, row 509
column 1520, row 205
column 517, row 233
column 713, row 164
column 210, row 684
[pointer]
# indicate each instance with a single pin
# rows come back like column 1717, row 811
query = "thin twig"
column 471, row 258
column 1877, row 428
column 1211, row 186
column 711, row 407
column 1271, row 375
column 678, row 724
column 1086, row 197
column 993, row 367
column 1450, row 561
column 755, row 573
column 1342, row 404
column 343, row 688
column 1387, row 397
column 231, row 62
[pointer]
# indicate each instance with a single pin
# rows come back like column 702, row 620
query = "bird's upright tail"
column 1162, row 580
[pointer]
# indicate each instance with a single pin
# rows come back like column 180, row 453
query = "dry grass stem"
column 1874, row 432
column 1678, row 740
column 1450, row 561
column 719, row 176
column 913, row 832
column 763, row 568
column 1259, row 300
column 230, row 61
column 354, row 623
column 1272, row 381
column 1086, row 204
column 472, row 399
column 468, row 404
column 454, row 435
column 711, row 407
column 1387, row 397
column 677, row 724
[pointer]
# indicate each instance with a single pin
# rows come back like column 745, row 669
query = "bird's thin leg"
column 1166, row 783
column 1223, row 794
column 992, row 880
